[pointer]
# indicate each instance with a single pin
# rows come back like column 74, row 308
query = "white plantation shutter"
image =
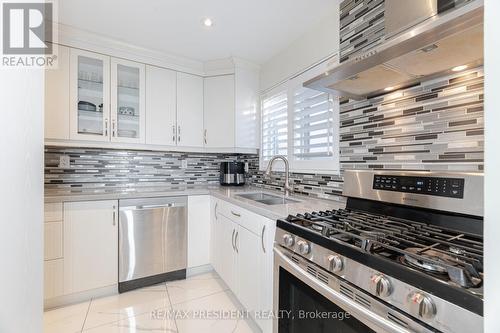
column 274, row 126
column 313, row 129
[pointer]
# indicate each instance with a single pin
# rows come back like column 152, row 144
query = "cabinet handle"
column 236, row 214
column 113, row 125
column 216, row 204
column 262, row 239
column 235, row 242
column 106, row 127
column 114, row 215
column 173, row 133
column 205, row 136
column 179, row 133
column 232, row 240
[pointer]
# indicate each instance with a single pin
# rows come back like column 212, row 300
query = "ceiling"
column 251, row 29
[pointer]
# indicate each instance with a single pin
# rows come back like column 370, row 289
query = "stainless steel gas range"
column 405, row 255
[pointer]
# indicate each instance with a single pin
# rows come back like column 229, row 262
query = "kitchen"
column 192, row 180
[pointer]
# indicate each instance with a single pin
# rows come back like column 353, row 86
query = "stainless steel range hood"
column 428, row 49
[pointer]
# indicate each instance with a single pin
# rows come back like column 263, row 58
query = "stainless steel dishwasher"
column 152, row 243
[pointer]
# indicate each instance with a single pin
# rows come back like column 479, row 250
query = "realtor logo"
column 29, row 37
column 26, row 27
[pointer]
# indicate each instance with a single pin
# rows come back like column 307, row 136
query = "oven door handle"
column 359, row 312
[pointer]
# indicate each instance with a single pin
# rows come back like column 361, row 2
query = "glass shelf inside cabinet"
column 90, row 96
column 128, row 125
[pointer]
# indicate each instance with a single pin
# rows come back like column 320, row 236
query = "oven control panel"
column 438, row 186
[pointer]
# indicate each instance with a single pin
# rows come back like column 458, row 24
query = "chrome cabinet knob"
column 288, row 240
column 421, row 305
column 380, row 285
column 335, row 262
column 304, row 247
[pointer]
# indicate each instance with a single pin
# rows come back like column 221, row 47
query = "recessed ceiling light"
column 459, row 68
column 389, row 89
column 207, row 22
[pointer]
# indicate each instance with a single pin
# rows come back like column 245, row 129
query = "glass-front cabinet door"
column 89, row 80
column 127, row 101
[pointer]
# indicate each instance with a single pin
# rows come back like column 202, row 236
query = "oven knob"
column 288, row 240
column 380, row 285
column 304, row 248
column 336, row 264
column 421, row 305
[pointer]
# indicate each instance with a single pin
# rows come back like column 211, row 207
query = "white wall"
column 315, row 45
column 492, row 167
column 21, row 200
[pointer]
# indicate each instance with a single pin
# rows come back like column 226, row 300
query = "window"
column 312, row 126
column 274, row 126
column 302, row 124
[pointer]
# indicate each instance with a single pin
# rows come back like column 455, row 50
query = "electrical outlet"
column 64, row 162
column 184, row 164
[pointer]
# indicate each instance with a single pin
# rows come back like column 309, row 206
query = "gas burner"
column 317, row 227
column 341, row 237
column 428, row 260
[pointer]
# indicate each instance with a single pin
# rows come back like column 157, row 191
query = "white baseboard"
column 65, row 300
column 193, row 271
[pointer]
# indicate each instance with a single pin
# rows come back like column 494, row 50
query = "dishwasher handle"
column 143, row 207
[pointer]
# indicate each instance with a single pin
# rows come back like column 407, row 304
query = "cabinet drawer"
column 53, row 212
column 53, row 237
column 243, row 217
column 53, row 278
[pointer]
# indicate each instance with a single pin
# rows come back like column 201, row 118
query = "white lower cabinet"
column 243, row 258
column 90, row 245
column 198, row 231
column 266, row 275
column 248, row 268
column 53, row 273
column 227, row 260
column 53, row 240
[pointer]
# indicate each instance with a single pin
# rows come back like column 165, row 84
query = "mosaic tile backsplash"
column 437, row 125
column 361, row 26
column 99, row 169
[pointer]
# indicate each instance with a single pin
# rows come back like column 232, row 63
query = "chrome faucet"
column 267, row 174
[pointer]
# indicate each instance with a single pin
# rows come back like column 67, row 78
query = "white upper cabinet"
column 161, row 108
column 96, row 98
column 219, row 111
column 189, row 110
column 57, row 97
column 247, row 110
column 128, row 101
column 89, row 96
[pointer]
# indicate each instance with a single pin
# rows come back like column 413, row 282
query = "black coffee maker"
column 232, row 173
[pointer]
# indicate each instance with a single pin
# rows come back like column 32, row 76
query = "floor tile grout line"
column 205, row 296
column 121, row 318
column 86, row 315
column 171, row 308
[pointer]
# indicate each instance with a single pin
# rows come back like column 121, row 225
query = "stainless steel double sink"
column 267, row 199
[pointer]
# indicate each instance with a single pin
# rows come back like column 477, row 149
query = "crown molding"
column 89, row 41
column 78, row 38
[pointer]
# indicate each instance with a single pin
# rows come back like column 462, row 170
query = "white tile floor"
column 150, row 310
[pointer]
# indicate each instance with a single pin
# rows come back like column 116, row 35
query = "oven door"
column 309, row 299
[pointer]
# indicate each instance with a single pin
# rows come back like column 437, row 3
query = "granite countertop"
column 230, row 194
